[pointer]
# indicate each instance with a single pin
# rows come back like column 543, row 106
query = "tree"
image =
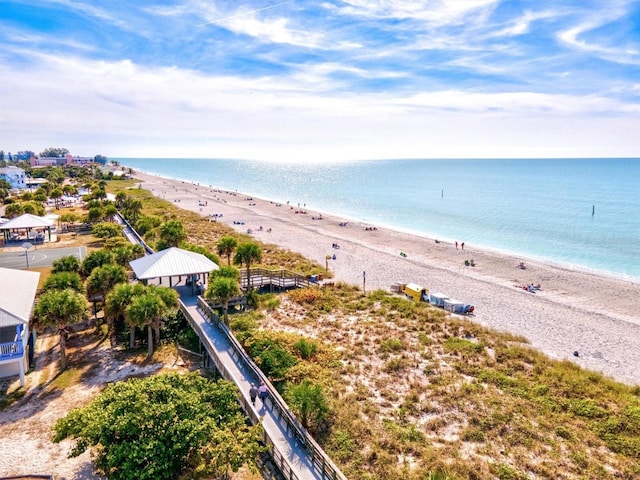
column 162, row 427
column 110, row 211
column 64, row 280
column 116, row 304
column 106, row 230
column 148, row 310
column 170, row 299
column 226, row 246
column 5, row 188
column 146, row 224
column 69, row 218
column 96, row 214
column 70, row 263
column 56, row 194
column 95, row 259
column 131, row 209
column 227, row 272
column 102, row 279
column 121, row 197
column 246, row 254
column 201, row 250
column 70, row 190
column 308, row 401
column 223, row 289
column 54, row 152
column 124, row 254
column 171, row 234
column 60, row 308
column 34, row 208
column 14, row 210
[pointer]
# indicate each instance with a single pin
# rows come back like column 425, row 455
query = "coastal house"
column 14, row 176
column 17, row 293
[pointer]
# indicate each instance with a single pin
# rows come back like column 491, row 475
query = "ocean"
column 580, row 213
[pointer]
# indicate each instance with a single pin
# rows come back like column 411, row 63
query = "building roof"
column 171, row 262
column 17, row 292
column 26, row 221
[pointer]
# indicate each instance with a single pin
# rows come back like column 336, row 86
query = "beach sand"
column 596, row 316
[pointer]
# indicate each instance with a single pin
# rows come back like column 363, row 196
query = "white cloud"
column 436, row 12
column 123, row 109
column 577, row 35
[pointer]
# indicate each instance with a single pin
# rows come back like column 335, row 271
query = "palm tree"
column 131, row 209
column 64, row 280
column 226, row 246
column 116, row 304
column 308, row 400
column 227, row 272
column 109, row 212
column 223, row 289
column 171, row 233
column 140, row 310
column 70, row 263
column 246, row 254
column 56, row 194
column 170, row 299
column 102, row 279
column 148, row 310
column 61, row 308
column 120, row 199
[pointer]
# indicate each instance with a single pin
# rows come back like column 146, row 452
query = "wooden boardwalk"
column 274, row 279
column 294, row 451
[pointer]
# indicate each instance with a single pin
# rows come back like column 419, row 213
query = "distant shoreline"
column 556, row 248
column 575, row 311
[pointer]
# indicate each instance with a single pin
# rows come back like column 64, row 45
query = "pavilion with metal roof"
column 173, row 262
column 26, row 222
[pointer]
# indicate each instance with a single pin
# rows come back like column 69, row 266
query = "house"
column 17, row 294
column 14, row 175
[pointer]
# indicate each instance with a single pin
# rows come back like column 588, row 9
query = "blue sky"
column 321, row 80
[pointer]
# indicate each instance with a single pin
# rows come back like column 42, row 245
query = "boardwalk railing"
column 319, row 459
column 281, row 279
column 147, row 249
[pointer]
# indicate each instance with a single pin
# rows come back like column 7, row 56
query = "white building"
column 17, row 293
column 14, row 175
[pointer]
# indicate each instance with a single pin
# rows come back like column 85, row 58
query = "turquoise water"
column 532, row 208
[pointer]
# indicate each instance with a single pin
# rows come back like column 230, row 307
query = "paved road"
column 39, row 257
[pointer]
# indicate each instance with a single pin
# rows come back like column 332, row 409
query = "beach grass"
column 420, row 392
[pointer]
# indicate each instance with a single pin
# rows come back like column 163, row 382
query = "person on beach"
column 462, row 245
column 456, row 244
column 262, row 392
column 253, row 393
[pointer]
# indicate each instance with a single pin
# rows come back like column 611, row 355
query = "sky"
column 321, row 80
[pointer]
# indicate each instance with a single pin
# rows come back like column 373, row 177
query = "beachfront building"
column 68, row 159
column 17, row 293
column 14, row 175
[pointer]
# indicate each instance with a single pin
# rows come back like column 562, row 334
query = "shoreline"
column 591, row 313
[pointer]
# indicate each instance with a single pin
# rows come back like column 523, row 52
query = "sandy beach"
column 596, row 316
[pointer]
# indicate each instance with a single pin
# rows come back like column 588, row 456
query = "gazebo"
column 173, row 262
column 26, row 222
column 17, row 293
